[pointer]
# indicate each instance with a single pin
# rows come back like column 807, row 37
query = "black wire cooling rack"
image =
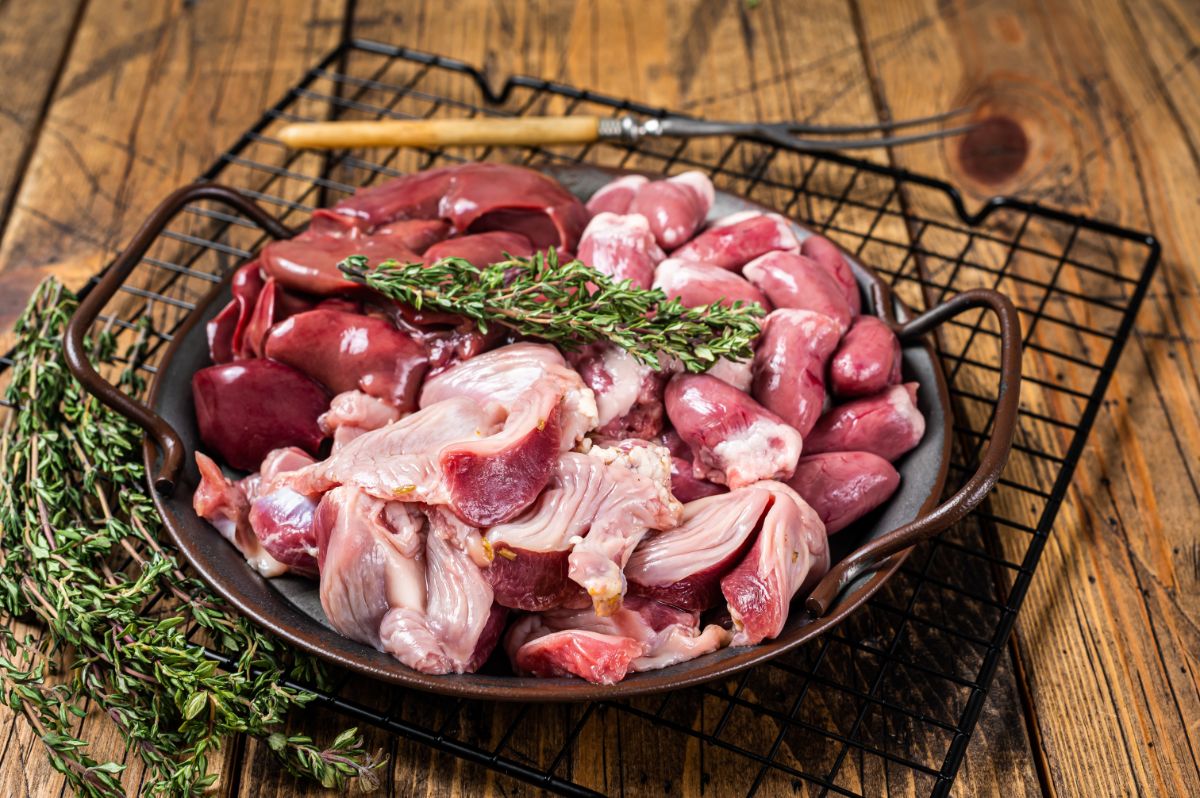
column 895, row 691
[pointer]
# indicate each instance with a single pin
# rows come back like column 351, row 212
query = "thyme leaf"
column 568, row 304
column 80, row 557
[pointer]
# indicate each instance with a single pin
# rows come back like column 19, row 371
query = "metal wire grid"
column 896, row 690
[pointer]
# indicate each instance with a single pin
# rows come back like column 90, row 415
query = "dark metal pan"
column 865, row 555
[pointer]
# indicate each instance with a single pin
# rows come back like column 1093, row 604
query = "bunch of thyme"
column 569, row 304
column 80, row 557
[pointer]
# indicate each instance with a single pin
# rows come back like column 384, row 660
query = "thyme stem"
column 569, row 304
column 79, row 553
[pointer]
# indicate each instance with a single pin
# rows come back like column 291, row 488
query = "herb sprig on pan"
column 80, row 559
column 568, row 304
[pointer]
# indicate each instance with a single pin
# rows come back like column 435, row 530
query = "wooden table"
column 107, row 105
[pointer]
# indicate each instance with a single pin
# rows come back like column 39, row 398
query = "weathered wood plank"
column 1108, row 636
column 148, row 96
column 1103, row 96
column 34, row 39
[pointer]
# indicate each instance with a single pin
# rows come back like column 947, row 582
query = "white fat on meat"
column 638, row 498
column 400, row 461
column 789, row 555
column 641, row 636
column 734, row 440
column 745, row 451
column 625, row 373
column 738, row 373
column 352, row 413
column 516, row 377
column 628, row 392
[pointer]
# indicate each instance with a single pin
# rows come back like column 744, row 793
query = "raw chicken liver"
column 350, row 351
column 481, row 249
column 308, row 262
column 247, row 408
column 476, row 198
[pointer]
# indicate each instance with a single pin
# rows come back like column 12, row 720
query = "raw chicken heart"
column 826, row 254
column 794, row 281
column 622, row 247
column 844, row 486
column 675, row 207
column 735, row 240
column 789, row 365
column 887, row 424
column 735, row 440
column 615, row 197
column 867, row 361
column 695, row 284
column 628, row 392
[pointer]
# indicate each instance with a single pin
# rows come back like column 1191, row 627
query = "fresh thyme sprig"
column 568, row 304
column 80, row 557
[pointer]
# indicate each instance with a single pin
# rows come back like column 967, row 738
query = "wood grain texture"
column 1105, row 95
column 149, row 96
column 150, row 93
column 38, row 60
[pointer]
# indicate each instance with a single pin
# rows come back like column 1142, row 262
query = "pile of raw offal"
column 451, row 489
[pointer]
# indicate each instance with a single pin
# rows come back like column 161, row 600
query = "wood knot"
column 1031, row 136
column 994, row 150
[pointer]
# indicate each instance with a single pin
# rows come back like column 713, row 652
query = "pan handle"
column 871, row 555
column 168, row 440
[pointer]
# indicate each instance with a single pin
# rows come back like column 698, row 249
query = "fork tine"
column 826, row 145
column 810, row 129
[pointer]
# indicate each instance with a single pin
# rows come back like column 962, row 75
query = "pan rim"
column 717, row 665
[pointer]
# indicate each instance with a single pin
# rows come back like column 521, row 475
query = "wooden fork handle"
column 525, row 131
